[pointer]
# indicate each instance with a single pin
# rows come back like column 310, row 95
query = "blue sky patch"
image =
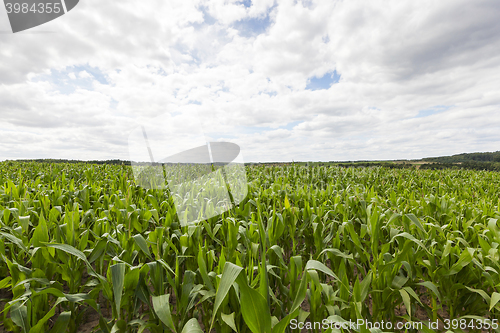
column 254, row 26
column 433, row 110
column 291, row 125
column 247, row 3
column 207, row 18
column 63, row 83
column 95, row 71
column 323, row 82
column 269, row 93
column 113, row 104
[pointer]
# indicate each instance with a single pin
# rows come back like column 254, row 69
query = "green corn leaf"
column 71, row 250
column 365, row 286
column 287, row 203
column 254, row 308
column 132, row 278
column 431, row 286
column 406, row 300
column 161, row 307
column 264, row 281
column 5, row 282
column 41, row 233
column 399, row 281
column 203, row 269
column 464, row 259
column 229, row 275
column 19, row 315
column 41, row 322
column 98, row 250
column 413, row 239
column 105, row 327
column 495, row 297
column 483, row 294
column 279, row 253
column 192, row 326
column 229, row 320
column 118, row 278
column 338, row 253
column 24, row 221
column 61, row 323
column 416, row 221
column 413, row 294
column 316, row 265
column 14, row 240
column 143, row 245
column 295, row 309
column 120, row 326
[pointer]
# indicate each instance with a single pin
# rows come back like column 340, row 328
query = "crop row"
column 82, row 243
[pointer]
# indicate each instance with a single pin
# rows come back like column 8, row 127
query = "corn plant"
column 85, row 243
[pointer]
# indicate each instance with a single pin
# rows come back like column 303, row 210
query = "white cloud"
column 84, row 75
column 79, row 91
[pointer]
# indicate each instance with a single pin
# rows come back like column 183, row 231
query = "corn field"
column 82, row 247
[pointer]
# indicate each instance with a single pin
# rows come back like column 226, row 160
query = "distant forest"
column 50, row 160
column 466, row 157
column 474, row 161
column 472, row 165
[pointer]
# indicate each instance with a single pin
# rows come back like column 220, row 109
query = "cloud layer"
column 287, row 80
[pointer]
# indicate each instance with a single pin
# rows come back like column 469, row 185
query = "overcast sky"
column 286, row 80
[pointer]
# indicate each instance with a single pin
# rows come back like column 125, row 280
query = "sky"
column 285, row 80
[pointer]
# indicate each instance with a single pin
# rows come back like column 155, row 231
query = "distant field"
column 83, row 249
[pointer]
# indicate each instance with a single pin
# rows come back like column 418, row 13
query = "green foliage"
column 467, row 157
column 80, row 241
